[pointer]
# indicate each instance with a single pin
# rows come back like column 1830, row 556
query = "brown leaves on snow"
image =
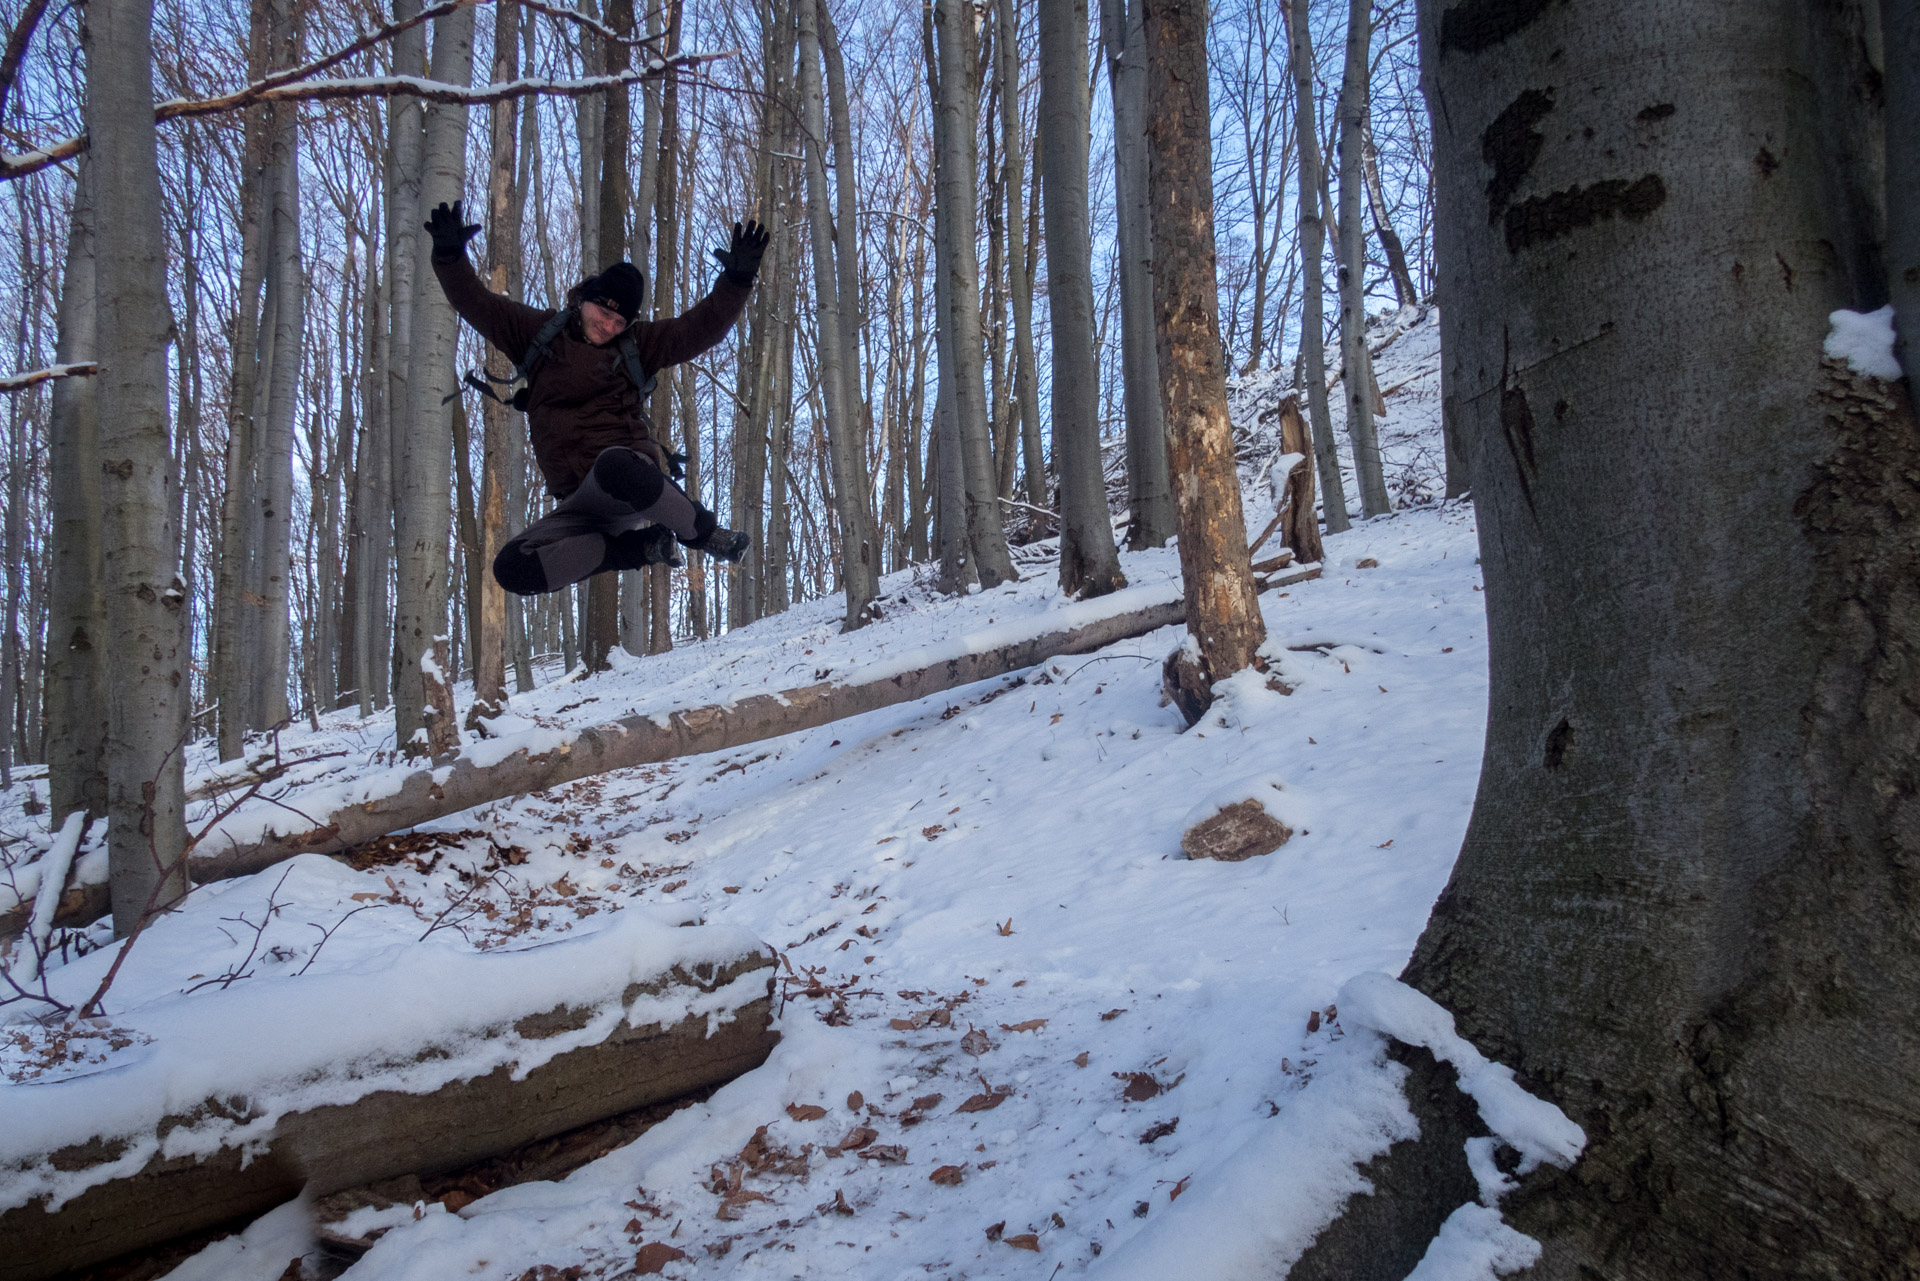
column 654, row 1256
column 805, row 1111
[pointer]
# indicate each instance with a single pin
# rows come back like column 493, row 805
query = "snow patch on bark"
column 1475, row 1245
column 1865, row 341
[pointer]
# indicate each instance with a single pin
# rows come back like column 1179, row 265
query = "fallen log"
column 500, row 768
column 720, row 1028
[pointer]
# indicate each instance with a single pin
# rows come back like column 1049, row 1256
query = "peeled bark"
column 957, row 106
column 1089, row 562
column 1313, row 246
column 1149, row 494
column 1223, row 614
column 76, row 617
column 423, row 498
column 1683, row 911
column 148, row 692
column 859, row 542
column 1355, row 363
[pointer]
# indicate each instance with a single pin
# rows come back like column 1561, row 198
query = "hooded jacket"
column 582, row 400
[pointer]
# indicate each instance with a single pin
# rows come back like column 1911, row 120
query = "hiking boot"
column 638, row 548
column 721, row 544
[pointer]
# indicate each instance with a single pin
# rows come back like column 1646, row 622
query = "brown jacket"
column 582, row 400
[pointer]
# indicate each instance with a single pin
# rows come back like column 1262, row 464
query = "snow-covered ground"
column 1022, row 1034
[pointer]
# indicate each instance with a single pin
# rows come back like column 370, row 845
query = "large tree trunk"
column 422, row 699
column 603, row 624
column 1901, row 37
column 1313, row 246
column 859, row 543
column 1026, row 391
column 957, row 107
column 1223, row 614
column 1089, row 562
column 1149, row 496
column 286, row 305
column 405, row 241
column 148, row 692
column 76, row 622
column 1683, row 911
column 1355, row 363
column 500, row 453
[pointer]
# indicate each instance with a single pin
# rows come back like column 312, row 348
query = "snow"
column 1538, row 1130
column 1003, row 859
column 1865, row 341
column 1475, row 1245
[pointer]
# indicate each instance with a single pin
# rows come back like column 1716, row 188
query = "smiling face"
column 602, row 324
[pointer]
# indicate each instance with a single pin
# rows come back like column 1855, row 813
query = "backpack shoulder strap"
column 542, row 343
column 630, row 358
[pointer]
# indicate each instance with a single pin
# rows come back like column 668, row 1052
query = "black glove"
column 450, row 235
column 742, row 258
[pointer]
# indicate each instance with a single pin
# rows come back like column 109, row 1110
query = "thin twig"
column 327, row 933
column 17, row 48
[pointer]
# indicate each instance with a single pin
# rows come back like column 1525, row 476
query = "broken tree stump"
column 1235, row 832
column 388, row 1132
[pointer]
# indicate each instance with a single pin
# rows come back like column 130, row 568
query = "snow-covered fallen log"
column 211, row 1105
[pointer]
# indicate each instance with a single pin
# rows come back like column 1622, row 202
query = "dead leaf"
column 1056, row 718
column 1154, row 1133
column 975, row 1042
column 984, row 1102
column 1381, row 688
column 1006, row 929
column 1313, row 1022
column 904, row 1025
column 858, row 1138
column 805, row 1111
column 655, row 1256
column 1080, row 1059
column 1025, row 1241
column 457, row 1200
column 885, row 1153
column 1366, row 562
column 1386, row 846
column 1140, row 1086
column 1029, row 1025
column 365, row 896
column 838, row 1205
column 1111, row 1015
column 994, row 1230
column 856, row 1101
column 1178, row 1188
column 947, row 1176
column 729, row 889
column 735, row 1204
column 932, row 833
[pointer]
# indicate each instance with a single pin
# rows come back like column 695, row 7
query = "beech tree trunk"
column 1223, row 613
column 407, row 252
column 1026, row 391
column 957, row 106
column 1901, row 37
column 859, row 542
column 148, row 692
column 1089, row 562
column 76, row 621
column 423, row 499
column 1356, row 365
column 1149, row 495
column 1683, row 911
column 1390, row 245
column 1313, row 247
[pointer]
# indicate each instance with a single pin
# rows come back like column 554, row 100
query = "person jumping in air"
column 583, row 376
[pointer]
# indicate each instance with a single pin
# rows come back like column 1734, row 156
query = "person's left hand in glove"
column 450, row 235
column 741, row 259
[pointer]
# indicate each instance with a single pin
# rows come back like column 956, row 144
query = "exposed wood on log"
column 20, row 382
column 387, row 1133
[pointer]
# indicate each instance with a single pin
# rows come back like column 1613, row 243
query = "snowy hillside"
column 1015, row 1019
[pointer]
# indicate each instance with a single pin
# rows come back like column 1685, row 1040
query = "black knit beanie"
column 619, row 288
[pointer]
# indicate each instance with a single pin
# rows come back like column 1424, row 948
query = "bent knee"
column 518, row 569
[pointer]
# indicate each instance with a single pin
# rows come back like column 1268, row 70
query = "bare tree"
column 1089, row 562
column 1313, row 244
column 1223, row 613
column 1355, row 363
column 144, row 595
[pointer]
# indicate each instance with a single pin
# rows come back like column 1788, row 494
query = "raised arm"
column 508, row 325
column 668, row 342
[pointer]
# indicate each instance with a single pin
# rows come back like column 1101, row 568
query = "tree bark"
column 1683, row 909
column 1313, row 246
column 957, row 106
column 1300, row 530
column 859, row 543
column 1356, row 365
column 144, row 597
column 405, row 241
column 423, row 501
column 1026, row 391
column 1089, row 562
column 1900, row 36
column 1149, row 494
column 1223, row 613
column 1390, row 246
column 76, row 622
column 500, row 452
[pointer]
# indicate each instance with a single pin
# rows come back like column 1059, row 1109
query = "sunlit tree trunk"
column 144, row 596
column 1357, row 365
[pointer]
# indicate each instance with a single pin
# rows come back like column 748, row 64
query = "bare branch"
column 20, row 382
column 17, row 48
column 19, row 166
